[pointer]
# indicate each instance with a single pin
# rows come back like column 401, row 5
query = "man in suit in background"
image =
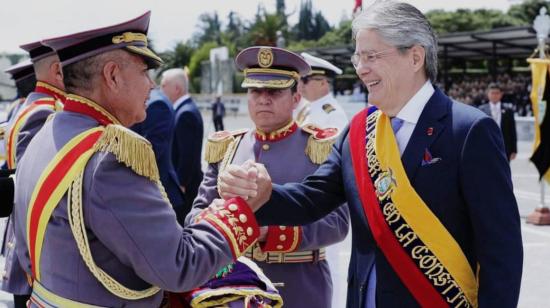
column 188, row 134
column 218, row 112
column 158, row 128
column 504, row 117
column 434, row 218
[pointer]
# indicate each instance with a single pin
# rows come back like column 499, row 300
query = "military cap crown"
column 270, row 67
column 37, row 50
column 320, row 66
column 130, row 35
column 20, row 70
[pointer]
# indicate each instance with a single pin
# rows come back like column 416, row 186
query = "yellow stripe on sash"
column 419, row 217
column 19, row 122
column 57, row 194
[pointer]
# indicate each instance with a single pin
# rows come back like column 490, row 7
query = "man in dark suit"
column 218, row 112
column 158, row 128
column 434, row 218
column 504, row 117
column 188, row 134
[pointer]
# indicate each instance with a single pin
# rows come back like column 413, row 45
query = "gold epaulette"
column 130, row 149
column 319, row 143
column 218, row 143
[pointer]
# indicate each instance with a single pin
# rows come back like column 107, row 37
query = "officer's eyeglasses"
column 372, row 56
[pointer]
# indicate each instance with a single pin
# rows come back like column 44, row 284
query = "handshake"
column 249, row 181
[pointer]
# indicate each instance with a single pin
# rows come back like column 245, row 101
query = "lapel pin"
column 430, row 131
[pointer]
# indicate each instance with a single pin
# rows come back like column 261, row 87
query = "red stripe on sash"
column 408, row 272
column 50, row 183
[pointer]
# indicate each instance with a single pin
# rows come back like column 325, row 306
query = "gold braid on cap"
column 129, row 37
column 292, row 74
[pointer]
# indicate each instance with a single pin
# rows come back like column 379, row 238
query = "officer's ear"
column 111, row 75
column 296, row 97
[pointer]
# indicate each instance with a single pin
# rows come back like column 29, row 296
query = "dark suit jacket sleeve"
column 157, row 127
column 488, row 193
column 303, row 203
column 187, row 143
column 513, row 134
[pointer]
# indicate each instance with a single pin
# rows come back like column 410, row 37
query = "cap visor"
column 152, row 60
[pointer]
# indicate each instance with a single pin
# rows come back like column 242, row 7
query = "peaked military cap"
column 130, row 35
column 270, row 67
column 321, row 66
column 20, row 70
column 37, row 50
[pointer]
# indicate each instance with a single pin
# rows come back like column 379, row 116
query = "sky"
column 24, row 21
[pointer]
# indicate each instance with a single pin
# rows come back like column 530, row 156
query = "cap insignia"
column 129, row 37
column 265, row 57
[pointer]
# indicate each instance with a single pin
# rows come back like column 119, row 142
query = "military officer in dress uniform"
column 318, row 106
column 46, row 98
column 294, row 256
column 22, row 74
column 94, row 222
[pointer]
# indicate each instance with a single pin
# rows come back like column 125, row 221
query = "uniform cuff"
column 236, row 222
column 282, row 239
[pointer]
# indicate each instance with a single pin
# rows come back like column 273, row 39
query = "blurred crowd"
column 472, row 90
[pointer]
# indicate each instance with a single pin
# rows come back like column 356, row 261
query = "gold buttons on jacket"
column 233, row 207
column 282, row 238
column 243, row 218
column 265, row 146
column 249, row 231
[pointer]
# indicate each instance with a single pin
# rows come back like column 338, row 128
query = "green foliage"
column 336, row 37
column 180, row 56
column 264, row 30
column 201, row 54
column 311, row 25
column 527, row 10
column 210, row 29
column 467, row 20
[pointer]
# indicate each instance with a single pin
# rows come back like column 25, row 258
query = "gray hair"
column 79, row 77
column 179, row 76
column 401, row 25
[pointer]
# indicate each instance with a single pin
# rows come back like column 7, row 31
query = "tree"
column 527, row 10
column 180, row 56
column 264, row 30
column 210, row 29
column 201, row 54
column 280, row 5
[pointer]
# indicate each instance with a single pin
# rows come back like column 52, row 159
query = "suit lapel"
column 428, row 128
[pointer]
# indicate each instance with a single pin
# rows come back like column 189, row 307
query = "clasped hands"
column 249, row 181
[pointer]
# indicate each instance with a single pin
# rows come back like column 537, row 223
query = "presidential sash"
column 47, row 103
column 422, row 252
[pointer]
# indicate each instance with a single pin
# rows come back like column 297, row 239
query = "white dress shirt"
column 410, row 113
column 496, row 112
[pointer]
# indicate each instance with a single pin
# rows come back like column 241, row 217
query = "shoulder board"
column 218, row 143
column 130, row 149
column 319, row 143
column 328, row 108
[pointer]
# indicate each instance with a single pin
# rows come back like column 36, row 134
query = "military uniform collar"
column 48, row 89
column 278, row 134
column 79, row 104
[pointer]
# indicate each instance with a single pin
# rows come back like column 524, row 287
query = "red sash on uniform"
column 21, row 119
column 420, row 250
